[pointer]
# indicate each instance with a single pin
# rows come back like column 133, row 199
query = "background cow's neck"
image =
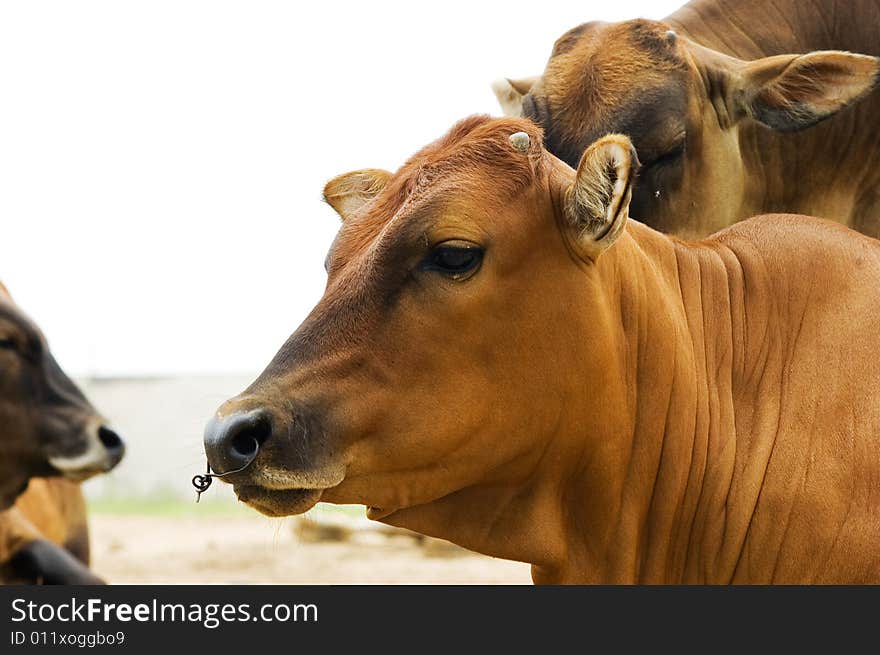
column 750, row 29
column 782, row 169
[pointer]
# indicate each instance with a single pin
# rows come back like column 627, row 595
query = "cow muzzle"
column 273, row 462
column 101, row 450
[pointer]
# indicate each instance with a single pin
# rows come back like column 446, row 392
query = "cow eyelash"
column 454, row 259
column 668, row 157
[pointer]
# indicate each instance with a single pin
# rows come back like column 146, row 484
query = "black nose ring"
column 202, row 482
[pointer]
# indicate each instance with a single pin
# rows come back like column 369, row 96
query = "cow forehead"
column 474, row 165
column 10, row 314
column 364, row 233
column 608, row 77
column 635, row 45
column 599, row 66
column 375, row 236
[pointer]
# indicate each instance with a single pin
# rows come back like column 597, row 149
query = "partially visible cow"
column 728, row 119
column 44, row 537
column 47, row 429
column 503, row 360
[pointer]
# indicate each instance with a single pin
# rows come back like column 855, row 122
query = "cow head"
column 47, row 427
column 682, row 105
column 436, row 360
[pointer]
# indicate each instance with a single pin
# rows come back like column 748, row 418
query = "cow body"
column 503, row 360
column 724, row 127
column 753, row 431
column 44, row 537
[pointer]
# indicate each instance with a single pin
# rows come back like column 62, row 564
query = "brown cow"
column 715, row 105
column 501, row 360
column 44, row 537
column 48, row 428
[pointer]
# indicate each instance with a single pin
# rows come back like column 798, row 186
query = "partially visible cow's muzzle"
column 276, row 462
column 232, row 441
column 98, row 450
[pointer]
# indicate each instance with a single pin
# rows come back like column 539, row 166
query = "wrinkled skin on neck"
column 699, row 452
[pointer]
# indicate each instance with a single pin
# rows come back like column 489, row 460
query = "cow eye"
column 454, row 260
column 7, row 344
column 669, row 157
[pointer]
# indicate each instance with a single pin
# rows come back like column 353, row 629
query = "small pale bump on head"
column 671, row 37
column 520, row 141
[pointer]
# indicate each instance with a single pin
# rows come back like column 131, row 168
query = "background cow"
column 500, row 360
column 44, row 537
column 719, row 109
column 48, row 429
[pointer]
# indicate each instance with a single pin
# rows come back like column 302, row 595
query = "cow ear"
column 349, row 192
column 510, row 93
column 597, row 202
column 792, row 92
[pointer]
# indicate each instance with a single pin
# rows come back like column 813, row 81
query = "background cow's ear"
column 597, row 203
column 510, row 93
column 793, row 92
column 348, row 192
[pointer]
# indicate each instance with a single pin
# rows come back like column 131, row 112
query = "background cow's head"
column 682, row 105
column 47, row 427
column 445, row 353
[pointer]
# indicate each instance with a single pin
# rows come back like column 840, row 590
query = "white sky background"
column 161, row 162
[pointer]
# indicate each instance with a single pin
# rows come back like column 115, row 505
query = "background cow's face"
column 682, row 105
column 47, row 427
column 437, row 357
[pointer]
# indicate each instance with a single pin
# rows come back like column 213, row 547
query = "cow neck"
column 660, row 519
column 821, row 177
column 750, row 29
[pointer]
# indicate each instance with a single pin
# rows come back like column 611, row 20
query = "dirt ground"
column 255, row 550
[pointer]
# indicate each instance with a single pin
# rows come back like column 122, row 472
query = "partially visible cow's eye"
column 7, row 344
column 454, row 259
column 669, row 157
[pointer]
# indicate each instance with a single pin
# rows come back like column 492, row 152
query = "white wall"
column 161, row 162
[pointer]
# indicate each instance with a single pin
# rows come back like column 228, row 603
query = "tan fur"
column 667, row 412
column 802, row 83
column 52, row 509
column 508, row 97
column 348, row 193
column 602, row 187
column 466, row 148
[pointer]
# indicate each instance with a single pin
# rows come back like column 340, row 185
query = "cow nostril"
column 109, row 438
column 232, row 442
column 246, row 442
